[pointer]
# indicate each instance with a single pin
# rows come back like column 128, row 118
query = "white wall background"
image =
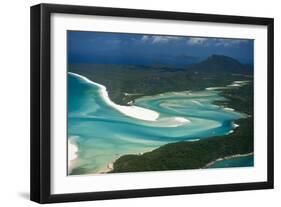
column 14, row 104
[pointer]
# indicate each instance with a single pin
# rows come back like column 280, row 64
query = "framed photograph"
column 133, row 103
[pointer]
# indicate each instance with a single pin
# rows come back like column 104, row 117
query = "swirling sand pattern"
column 103, row 130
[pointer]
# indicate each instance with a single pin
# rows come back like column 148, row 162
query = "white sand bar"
column 131, row 111
column 72, row 155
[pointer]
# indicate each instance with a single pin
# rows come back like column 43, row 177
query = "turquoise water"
column 245, row 161
column 102, row 133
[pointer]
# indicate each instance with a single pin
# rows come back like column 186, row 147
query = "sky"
column 143, row 49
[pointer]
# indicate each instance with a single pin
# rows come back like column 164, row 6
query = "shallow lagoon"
column 103, row 131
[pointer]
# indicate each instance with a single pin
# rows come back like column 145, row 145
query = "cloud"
column 159, row 39
column 163, row 39
column 215, row 42
column 196, row 40
column 144, row 38
column 156, row 39
column 228, row 42
column 193, row 41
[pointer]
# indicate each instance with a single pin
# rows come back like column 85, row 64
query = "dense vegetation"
column 190, row 155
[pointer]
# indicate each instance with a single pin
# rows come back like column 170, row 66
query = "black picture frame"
column 41, row 95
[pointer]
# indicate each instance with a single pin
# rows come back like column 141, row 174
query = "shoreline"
column 136, row 112
column 110, row 166
column 189, row 156
column 227, row 158
column 230, row 86
column 72, row 154
column 108, row 169
column 131, row 111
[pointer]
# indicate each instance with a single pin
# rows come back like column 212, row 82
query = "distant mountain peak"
column 222, row 58
column 220, row 64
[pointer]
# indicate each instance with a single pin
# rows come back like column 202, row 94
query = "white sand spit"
column 131, row 111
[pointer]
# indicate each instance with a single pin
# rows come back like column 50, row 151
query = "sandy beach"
column 230, row 86
column 72, row 155
column 131, row 111
column 136, row 111
column 229, row 109
column 238, row 83
column 226, row 158
column 235, row 125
